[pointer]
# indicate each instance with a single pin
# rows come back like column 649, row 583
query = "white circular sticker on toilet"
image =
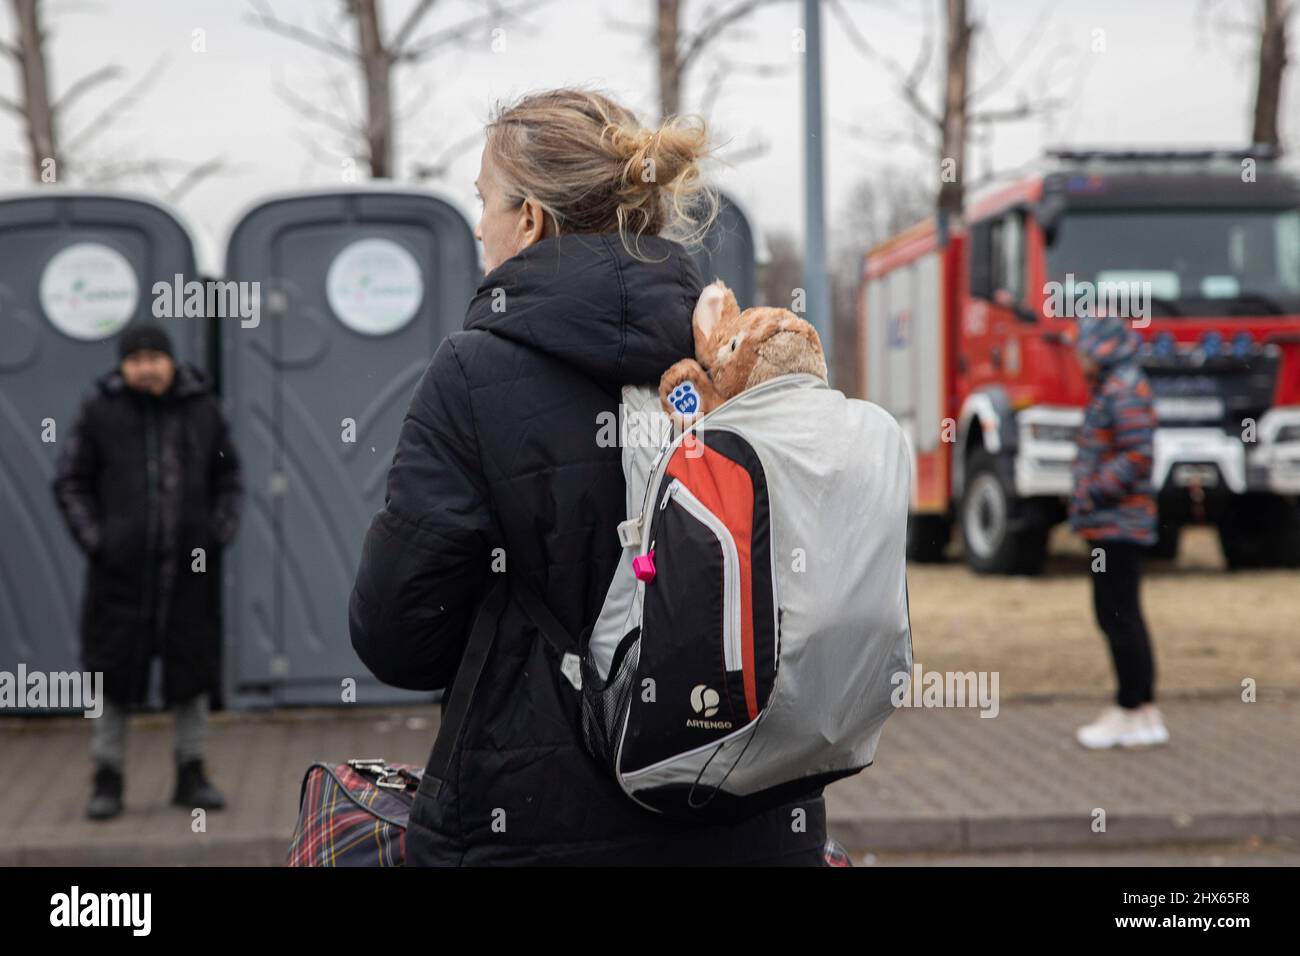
column 374, row 286
column 88, row 291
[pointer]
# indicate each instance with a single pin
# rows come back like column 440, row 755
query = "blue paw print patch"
column 685, row 399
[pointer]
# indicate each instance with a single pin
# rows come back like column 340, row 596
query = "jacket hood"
column 585, row 300
column 189, row 381
column 1107, row 340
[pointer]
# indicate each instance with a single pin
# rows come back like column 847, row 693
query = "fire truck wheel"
column 998, row 534
column 1260, row 531
column 928, row 537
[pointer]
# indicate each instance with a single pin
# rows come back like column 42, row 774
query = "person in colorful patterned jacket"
column 1113, row 508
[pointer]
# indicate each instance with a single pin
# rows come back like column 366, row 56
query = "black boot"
column 106, row 801
column 194, row 789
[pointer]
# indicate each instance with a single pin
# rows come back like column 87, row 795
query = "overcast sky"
column 1128, row 72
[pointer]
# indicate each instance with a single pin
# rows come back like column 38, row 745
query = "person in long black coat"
column 149, row 484
column 499, row 460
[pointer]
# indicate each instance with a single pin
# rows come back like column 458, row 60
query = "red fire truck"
column 965, row 337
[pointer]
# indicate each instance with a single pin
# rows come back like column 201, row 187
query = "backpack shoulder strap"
column 481, row 637
column 555, row 633
column 456, row 708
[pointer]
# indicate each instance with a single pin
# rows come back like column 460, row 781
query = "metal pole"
column 816, row 296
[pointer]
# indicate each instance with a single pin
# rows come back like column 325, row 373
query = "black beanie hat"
column 139, row 338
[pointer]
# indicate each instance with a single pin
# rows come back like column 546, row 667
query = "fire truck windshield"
column 1186, row 262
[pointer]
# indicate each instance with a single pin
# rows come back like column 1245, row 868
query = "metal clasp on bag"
column 390, row 778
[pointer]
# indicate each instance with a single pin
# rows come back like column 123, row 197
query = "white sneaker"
column 1156, row 731
column 1116, row 727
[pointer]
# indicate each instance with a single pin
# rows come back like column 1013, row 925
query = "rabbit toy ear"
column 707, row 313
column 715, row 301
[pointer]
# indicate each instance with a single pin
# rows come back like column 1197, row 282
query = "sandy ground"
column 1211, row 628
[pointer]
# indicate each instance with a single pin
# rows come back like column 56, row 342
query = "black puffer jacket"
column 499, row 451
column 143, row 481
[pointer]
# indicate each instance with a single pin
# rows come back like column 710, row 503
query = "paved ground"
column 1249, row 852
column 951, row 780
column 946, row 782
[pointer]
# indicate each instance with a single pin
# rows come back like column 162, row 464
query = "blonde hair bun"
column 594, row 168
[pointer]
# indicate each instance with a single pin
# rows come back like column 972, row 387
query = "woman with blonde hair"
column 589, row 287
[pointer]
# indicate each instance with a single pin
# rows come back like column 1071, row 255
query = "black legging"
column 1119, row 615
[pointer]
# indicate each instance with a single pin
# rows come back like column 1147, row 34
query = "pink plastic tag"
column 643, row 566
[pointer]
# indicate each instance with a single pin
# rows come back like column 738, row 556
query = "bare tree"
column 946, row 130
column 375, row 55
column 953, row 124
column 1263, row 26
column 1272, row 69
column 679, row 48
column 35, row 109
column 57, row 153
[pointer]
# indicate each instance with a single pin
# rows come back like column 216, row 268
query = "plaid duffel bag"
column 354, row 814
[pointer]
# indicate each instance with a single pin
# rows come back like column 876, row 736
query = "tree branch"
column 83, row 85
column 110, row 113
column 626, row 26
column 1024, row 110
column 194, row 176
column 345, row 107
column 439, row 167
column 1008, row 68
column 409, row 26
column 727, row 68
column 311, row 111
column 710, row 29
column 265, row 17
column 417, row 50
column 908, row 81
column 745, row 154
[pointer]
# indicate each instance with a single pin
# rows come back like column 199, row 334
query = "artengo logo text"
column 102, row 909
column 705, row 700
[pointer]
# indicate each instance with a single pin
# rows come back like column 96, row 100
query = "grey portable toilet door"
column 75, row 270
column 727, row 252
column 357, row 290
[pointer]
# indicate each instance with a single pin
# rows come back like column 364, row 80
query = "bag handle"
column 481, row 637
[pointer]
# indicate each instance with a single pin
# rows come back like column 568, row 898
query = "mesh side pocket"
column 604, row 706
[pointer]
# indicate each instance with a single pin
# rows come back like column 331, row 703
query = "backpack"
column 745, row 650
